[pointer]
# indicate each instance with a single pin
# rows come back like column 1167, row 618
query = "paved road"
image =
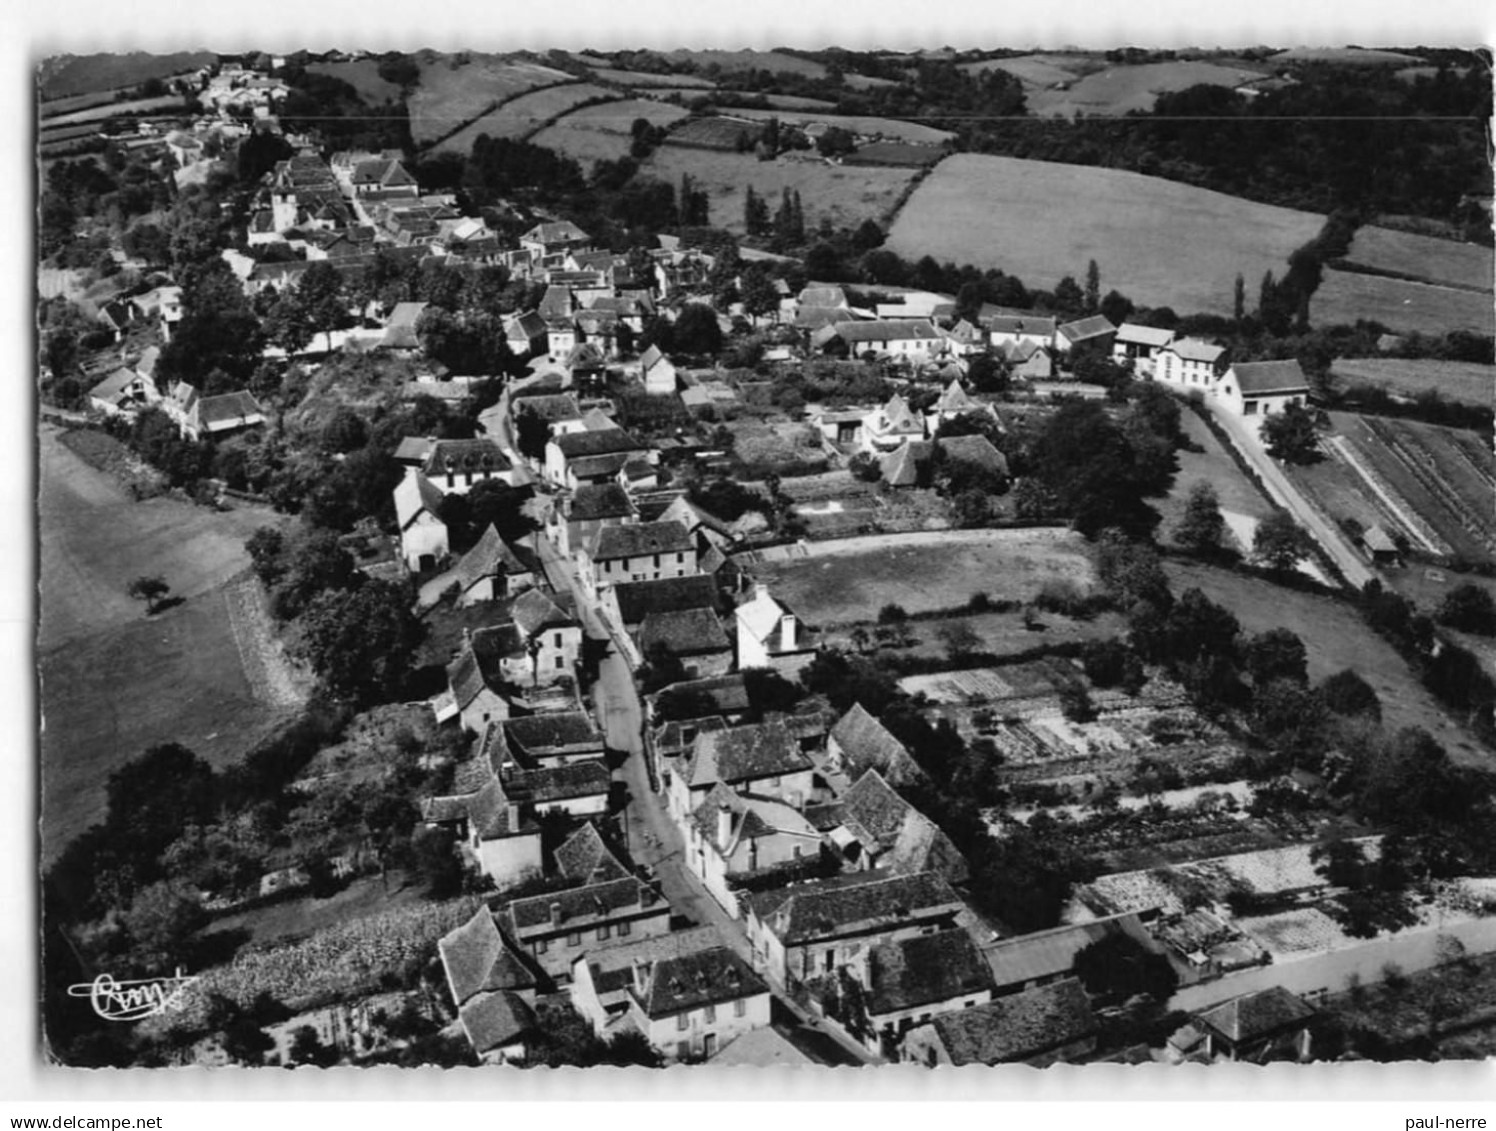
column 653, row 839
column 1286, row 495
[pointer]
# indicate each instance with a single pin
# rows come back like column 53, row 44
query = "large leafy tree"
column 218, row 330
column 1280, row 542
column 361, row 641
column 1291, row 436
column 1202, row 529
column 1084, row 458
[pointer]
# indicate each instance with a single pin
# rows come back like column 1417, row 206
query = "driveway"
column 1286, row 495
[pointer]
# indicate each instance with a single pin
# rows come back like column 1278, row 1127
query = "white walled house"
column 914, row 339
column 423, row 534
column 643, row 551
column 658, row 373
column 1139, row 345
column 552, row 635
column 1190, row 363
column 890, row 425
column 1257, row 389
column 455, row 465
column 738, row 835
column 770, row 635
column 764, row 759
column 1018, row 328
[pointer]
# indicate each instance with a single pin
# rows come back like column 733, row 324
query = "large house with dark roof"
column 689, row 1004
column 557, row 928
column 424, row 542
column 578, row 516
column 911, row 339
column 880, row 830
column 909, row 981
column 491, row 987
column 761, row 758
column 592, row 456
column 493, row 570
column 645, row 551
column 693, row 637
column 485, row 664
column 551, row 633
column 1039, row 1027
column 1139, row 345
column 556, row 738
column 1190, row 363
column 814, row 929
column 601, row 980
column 629, row 603
column 1095, row 332
column 455, row 465
column 1270, row 1024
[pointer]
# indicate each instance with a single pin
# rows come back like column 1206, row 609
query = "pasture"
column 1346, row 297
column 724, row 132
column 644, row 78
column 1424, row 257
column 601, row 132
column 892, row 129
column 848, row 581
column 452, row 93
column 520, row 117
column 85, row 74
column 363, row 76
column 1335, row 637
column 111, row 110
column 114, row 682
column 1117, row 90
column 1356, row 56
column 728, row 61
column 1238, row 495
column 848, row 195
column 1461, row 381
column 1032, row 70
column 1043, row 220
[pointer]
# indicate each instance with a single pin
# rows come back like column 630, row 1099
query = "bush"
column 892, row 614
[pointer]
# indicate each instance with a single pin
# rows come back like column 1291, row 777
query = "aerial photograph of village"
column 796, row 557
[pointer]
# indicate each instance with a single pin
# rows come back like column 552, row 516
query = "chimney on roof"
column 641, row 977
column 724, row 826
column 555, row 914
column 511, row 816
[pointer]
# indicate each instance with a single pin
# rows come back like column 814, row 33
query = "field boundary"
column 489, row 109
column 271, row 677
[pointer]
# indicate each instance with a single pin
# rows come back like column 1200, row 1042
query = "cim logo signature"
column 133, row 1000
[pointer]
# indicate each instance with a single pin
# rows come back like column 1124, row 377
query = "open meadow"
column 1335, row 637
column 1462, row 381
column 1426, row 258
column 892, row 128
column 67, row 75
column 1034, row 71
column 113, row 681
column 1159, row 242
column 848, row 195
column 1118, row 90
column 1237, row 494
column 1346, row 297
column 452, row 93
column 520, row 117
column 601, row 132
column 847, row 581
column 363, row 75
column 749, row 60
column 647, row 79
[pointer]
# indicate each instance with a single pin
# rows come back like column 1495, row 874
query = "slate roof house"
column 493, row 570
column 879, row 829
column 593, row 456
column 911, row 980
column 222, row 415
column 815, row 928
column 580, row 514
column 887, row 427
column 770, row 635
column 914, row 339
column 557, row 928
column 1189, row 363
column 491, row 987
column 858, row 743
column 455, row 465
column 424, row 542
column 692, row 636
column 601, row 978
column 645, row 551
column 557, row 738
column 731, row 836
column 1043, row 1026
column 1270, row 1024
column 1255, row 390
column 1139, row 345
column 761, row 758
column 1096, row 332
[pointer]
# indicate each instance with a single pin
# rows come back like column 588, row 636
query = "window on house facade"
column 657, row 561
column 556, row 639
column 680, row 559
column 682, row 1050
column 739, row 1008
column 1249, row 408
column 560, row 662
column 603, row 932
column 682, row 1021
column 574, row 939
column 709, row 1014
column 623, row 929
column 542, row 945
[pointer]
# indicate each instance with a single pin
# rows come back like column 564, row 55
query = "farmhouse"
column 223, row 415
column 1018, row 327
column 1026, row 360
column 1189, row 363
column 123, row 391
column 555, row 237
column 478, row 674
column 645, row 551
column 1139, row 345
column 455, row 465
column 501, row 838
column 491, row 987
column 1270, row 1024
column 1038, row 1027
column 859, row 743
column 880, row 830
column 1096, row 332
column 581, row 514
column 915, row 339
column 593, row 456
column 817, row 928
column 1044, row 957
column 1254, row 390
column 885, row 428
column 955, row 401
column 551, row 633
column 558, row 738
column 527, row 334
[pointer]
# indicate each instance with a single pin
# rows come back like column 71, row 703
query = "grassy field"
column 82, row 74
column 849, row 581
column 1335, row 637
column 890, row 128
column 113, row 681
column 363, row 76
column 601, row 132
column 1117, row 90
column 1360, row 56
column 1001, row 634
column 1215, row 466
column 847, row 195
column 1346, row 297
column 109, row 110
column 1042, row 220
column 726, row 132
column 774, row 61
column 642, row 78
column 783, row 101
column 1424, row 257
column 1033, row 70
column 452, row 93
column 1453, row 380
column 520, row 117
